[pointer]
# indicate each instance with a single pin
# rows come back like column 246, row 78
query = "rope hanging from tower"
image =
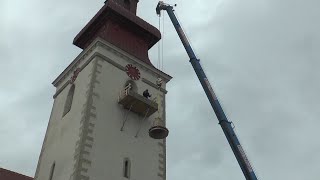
column 161, row 43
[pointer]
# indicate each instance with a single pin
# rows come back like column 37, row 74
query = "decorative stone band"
column 122, row 68
column 82, row 154
column 153, row 85
column 118, row 52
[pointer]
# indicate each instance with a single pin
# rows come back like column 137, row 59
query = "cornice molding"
column 122, row 54
column 153, row 85
column 118, row 52
column 74, row 64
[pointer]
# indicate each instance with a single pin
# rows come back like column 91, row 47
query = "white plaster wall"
column 63, row 132
column 111, row 145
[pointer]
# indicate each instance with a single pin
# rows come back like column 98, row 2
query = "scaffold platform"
column 137, row 103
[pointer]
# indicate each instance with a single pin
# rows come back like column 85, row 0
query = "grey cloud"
column 261, row 57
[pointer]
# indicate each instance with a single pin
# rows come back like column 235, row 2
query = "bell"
column 158, row 130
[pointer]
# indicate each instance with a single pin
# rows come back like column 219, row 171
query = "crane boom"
column 223, row 121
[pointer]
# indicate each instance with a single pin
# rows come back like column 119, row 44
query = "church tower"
column 102, row 116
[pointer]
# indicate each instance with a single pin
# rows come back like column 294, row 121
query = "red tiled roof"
column 121, row 28
column 10, row 175
column 113, row 7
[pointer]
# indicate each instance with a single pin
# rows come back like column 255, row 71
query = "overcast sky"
column 261, row 56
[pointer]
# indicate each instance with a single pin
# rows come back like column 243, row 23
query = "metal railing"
column 124, row 92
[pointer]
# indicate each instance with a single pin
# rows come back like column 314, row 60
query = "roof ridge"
column 12, row 172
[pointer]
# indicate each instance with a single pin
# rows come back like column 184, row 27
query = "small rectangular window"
column 68, row 103
column 52, row 171
column 126, row 168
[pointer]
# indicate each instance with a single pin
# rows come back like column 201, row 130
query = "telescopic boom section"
column 223, row 121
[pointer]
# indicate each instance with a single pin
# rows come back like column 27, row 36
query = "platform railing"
column 124, row 92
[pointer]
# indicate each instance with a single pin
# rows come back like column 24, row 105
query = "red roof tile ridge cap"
column 114, row 6
column 12, row 172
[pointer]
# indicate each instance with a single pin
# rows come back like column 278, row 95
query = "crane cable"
column 160, row 65
column 160, row 44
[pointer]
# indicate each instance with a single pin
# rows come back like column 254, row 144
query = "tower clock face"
column 133, row 72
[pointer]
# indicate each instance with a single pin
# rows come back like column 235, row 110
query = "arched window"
column 126, row 168
column 52, row 171
column 68, row 103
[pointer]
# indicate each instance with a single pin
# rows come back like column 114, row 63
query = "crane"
column 225, row 124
